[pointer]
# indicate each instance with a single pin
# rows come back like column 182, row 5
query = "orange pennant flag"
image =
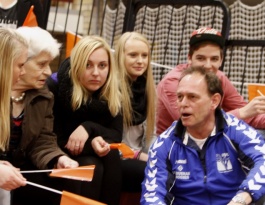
column 255, row 89
column 30, row 20
column 69, row 198
column 84, row 173
column 71, row 40
column 125, row 150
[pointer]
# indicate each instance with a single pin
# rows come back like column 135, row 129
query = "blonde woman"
column 138, row 89
column 13, row 55
column 132, row 53
column 87, row 116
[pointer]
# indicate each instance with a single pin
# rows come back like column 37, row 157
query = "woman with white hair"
column 33, row 145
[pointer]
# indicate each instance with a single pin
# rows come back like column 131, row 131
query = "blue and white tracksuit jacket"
column 179, row 173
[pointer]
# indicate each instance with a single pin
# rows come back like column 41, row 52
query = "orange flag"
column 126, row 151
column 84, row 173
column 30, row 20
column 71, row 40
column 255, row 89
column 69, row 198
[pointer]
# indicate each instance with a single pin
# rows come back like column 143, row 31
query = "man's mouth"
column 185, row 115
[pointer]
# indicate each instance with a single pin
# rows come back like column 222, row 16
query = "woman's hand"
column 10, row 178
column 100, row 146
column 66, row 162
column 77, row 140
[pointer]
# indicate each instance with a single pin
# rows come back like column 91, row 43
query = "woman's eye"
column 133, row 54
column 103, row 65
column 88, row 65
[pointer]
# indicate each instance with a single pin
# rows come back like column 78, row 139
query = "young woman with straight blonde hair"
column 13, row 54
column 132, row 53
column 87, row 116
column 133, row 58
column 12, row 46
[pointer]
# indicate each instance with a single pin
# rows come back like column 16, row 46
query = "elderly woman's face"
column 37, row 71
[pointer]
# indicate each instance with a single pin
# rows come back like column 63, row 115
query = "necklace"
column 18, row 99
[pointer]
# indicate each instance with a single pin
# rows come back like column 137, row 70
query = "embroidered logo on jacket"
column 223, row 163
column 180, row 174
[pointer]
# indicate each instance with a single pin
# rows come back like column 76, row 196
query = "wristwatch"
column 239, row 199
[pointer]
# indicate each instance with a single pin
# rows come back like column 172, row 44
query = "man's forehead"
column 193, row 78
column 192, row 82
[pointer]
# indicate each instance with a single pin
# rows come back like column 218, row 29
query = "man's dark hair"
column 198, row 45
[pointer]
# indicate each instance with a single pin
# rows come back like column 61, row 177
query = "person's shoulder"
column 45, row 92
column 35, row 94
column 169, row 132
column 171, row 79
column 174, row 74
column 165, row 140
column 234, row 123
column 221, row 75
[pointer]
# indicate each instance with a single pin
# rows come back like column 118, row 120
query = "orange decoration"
column 73, row 199
column 125, row 150
column 255, row 89
column 71, row 40
column 30, row 20
column 84, row 173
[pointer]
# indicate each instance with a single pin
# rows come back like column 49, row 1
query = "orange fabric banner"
column 126, row 151
column 74, row 199
column 253, row 90
column 71, row 40
column 30, row 20
column 84, row 173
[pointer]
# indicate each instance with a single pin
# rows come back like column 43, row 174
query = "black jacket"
column 94, row 116
column 23, row 7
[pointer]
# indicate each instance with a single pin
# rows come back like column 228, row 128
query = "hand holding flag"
column 84, row 173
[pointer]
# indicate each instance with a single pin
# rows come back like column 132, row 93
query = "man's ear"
column 216, row 100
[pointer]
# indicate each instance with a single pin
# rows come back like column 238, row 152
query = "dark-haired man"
column 206, row 50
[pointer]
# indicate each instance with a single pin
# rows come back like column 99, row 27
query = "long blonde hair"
column 125, row 81
column 78, row 59
column 11, row 44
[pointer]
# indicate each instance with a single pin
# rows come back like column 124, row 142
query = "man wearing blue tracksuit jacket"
column 208, row 156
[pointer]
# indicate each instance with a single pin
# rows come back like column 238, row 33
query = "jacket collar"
column 33, row 93
column 220, row 123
